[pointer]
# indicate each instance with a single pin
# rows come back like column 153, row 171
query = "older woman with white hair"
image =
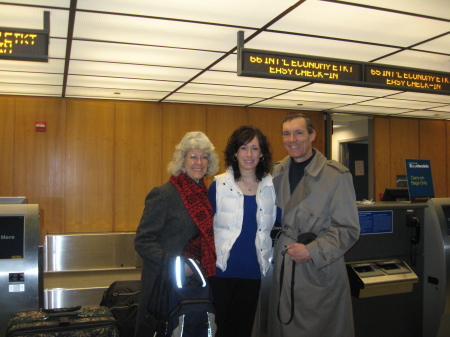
column 177, row 218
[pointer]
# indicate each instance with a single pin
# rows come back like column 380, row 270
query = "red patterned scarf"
column 201, row 247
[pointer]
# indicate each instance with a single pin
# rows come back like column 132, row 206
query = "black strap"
column 160, row 288
column 292, row 291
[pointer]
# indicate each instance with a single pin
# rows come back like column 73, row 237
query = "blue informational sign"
column 420, row 181
column 376, row 222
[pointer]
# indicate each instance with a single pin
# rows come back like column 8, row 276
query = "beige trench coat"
column 324, row 202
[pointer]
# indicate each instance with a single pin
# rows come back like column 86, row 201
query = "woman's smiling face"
column 196, row 163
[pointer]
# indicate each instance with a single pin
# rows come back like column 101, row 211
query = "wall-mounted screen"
column 12, row 236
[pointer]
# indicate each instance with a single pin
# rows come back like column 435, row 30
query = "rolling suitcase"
column 122, row 297
column 78, row 321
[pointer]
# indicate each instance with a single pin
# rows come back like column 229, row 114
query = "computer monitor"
column 395, row 194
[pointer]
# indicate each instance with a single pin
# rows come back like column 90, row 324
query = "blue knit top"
column 243, row 262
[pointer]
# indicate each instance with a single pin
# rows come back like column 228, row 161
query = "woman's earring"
column 235, row 158
column 261, row 159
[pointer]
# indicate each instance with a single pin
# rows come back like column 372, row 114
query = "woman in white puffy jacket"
column 243, row 201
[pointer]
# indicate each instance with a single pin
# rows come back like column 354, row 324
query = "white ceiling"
column 185, row 51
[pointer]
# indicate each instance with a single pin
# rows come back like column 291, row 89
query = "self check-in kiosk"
column 19, row 260
column 385, row 269
column 436, row 321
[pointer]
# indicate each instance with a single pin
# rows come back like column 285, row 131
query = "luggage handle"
column 180, row 278
column 62, row 312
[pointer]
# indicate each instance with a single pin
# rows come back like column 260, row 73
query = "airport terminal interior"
column 360, row 66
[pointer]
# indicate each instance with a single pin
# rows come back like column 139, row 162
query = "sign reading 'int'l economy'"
column 267, row 64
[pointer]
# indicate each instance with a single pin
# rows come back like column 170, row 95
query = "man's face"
column 297, row 140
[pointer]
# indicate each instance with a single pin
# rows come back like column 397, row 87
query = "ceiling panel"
column 318, row 46
column 420, row 60
column 375, row 110
column 133, row 54
column 319, row 18
column 121, row 83
column 30, row 78
column 231, row 78
column 156, row 32
column 322, row 97
column 418, row 96
column 230, row 90
column 427, row 114
column 124, row 70
column 349, row 90
column 102, row 93
column 52, row 66
column 185, row 51
column 399, row 103
column 212, row 99
column 231, row 12
column 445, row 108
column 30, row 89
column 433, row 8
column 33, row 18
column 296, row 105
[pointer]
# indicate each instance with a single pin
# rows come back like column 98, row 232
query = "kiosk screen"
column 11, row 236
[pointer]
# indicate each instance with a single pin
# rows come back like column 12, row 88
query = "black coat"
column 165, row 226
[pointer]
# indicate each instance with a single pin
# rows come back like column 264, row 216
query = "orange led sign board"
column 297, row 67
column 307, row 68
column 265, row 64
column 407, row 79
column 25, row 44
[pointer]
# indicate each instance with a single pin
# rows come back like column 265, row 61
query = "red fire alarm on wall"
column 40, row 126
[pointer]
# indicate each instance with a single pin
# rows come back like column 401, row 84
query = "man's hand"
column 298, row 253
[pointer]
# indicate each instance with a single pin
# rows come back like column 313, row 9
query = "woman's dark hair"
column 241, row 136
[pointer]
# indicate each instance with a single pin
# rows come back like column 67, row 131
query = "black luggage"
column 191, row 308
column 122, row 297
column 89, row 321
column 184, row 304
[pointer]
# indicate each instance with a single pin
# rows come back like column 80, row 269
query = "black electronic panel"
column 299, row 67
column 11, row 236
column 258, row 63
column 407, row 79
column 446, row 211
column 25, row 44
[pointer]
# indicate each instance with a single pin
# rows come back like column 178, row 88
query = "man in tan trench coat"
column 316, row 196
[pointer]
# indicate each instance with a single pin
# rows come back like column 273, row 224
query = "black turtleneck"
column 297, row 171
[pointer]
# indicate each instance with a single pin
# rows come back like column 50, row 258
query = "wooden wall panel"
column 221, row 122
column 39, row 158
column 7, row 113
column 382, row 155
column 404, row 144
column 432, row 135
column 269, row 121
column 177, row 120
column 89, row 172
column 137, row 160
column 92, row 168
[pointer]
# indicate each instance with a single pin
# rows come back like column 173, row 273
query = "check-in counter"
column 385, row 270
column 78, row 268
